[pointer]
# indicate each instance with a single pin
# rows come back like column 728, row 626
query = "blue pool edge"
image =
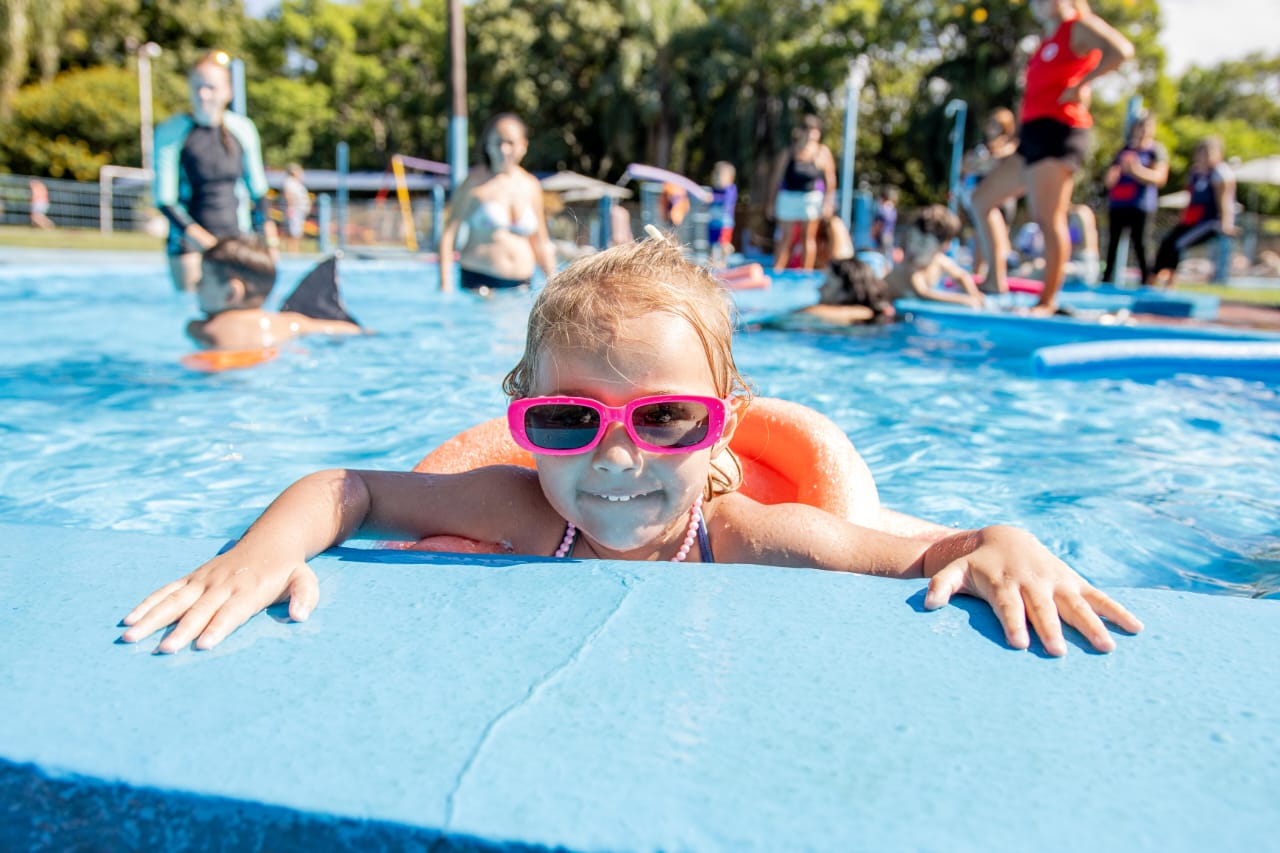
column 480, row 703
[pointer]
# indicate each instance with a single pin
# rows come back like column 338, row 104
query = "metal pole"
column 146, row 53
column 238, row 100
column 458, row 94
column 344, row 165
column 959, row 109
column 852, row 93
column 324, row 222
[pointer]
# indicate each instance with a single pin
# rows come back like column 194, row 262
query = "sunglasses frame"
column 717, row 415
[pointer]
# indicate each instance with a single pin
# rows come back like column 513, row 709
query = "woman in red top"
column 1054, row 141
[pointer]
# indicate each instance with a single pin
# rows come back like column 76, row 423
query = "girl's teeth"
column 616, row 498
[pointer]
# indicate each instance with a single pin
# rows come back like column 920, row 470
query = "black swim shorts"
column 473, row 280
column 1043, row 138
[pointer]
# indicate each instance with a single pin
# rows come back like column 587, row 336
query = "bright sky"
column 1204, row 32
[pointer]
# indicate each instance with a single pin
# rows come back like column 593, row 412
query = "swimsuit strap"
column 704, row 540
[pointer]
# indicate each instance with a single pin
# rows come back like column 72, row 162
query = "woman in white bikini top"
column 496, row 221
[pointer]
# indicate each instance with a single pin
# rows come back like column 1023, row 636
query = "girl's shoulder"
column 744, row 530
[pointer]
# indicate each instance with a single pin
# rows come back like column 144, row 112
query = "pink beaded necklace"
column 691, row 536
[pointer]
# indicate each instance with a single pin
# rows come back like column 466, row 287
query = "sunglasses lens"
column 561, row 426
column 677, row 423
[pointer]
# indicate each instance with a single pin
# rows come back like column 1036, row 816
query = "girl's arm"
column 1009, row 568
column 268, row 565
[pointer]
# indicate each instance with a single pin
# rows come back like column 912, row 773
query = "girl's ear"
column 236, row 286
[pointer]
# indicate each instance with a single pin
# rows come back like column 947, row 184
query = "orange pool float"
column 218, row 360
column 789, row 454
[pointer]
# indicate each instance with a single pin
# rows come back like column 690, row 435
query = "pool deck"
column 499, row 704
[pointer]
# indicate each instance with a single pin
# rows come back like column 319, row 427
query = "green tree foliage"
column 601, row 83
column 372, row 75
column 51, row 123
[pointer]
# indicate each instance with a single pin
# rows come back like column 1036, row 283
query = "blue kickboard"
column 499, row 703
column 1090, row 324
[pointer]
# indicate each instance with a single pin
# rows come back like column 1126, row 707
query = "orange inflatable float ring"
column 747, row 277
column 218, row 360
column 789, row 454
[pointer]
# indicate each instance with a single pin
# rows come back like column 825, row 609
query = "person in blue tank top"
column 724, row 203
column 209, row 180
column 1133, row 184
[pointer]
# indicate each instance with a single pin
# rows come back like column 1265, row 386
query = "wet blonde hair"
column 589, row 301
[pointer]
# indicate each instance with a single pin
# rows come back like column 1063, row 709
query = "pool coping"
column 501, row 703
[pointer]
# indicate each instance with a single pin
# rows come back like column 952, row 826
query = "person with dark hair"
column 925, row 264
column 999, row 141
column 1210, row 210
column 209, row 180
column 1077, row 48
column 1133, row 182
column 237, row 276
column 851, row 293
column 496, row 221
column 804, row 190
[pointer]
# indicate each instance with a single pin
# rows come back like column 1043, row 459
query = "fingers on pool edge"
column 304, row 594
column 1113, row 611
column 944, row 585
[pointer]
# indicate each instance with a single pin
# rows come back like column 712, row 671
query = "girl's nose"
column 615, row 452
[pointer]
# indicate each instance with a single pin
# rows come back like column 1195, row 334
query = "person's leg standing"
column 1049, row 187
column 1003, row 182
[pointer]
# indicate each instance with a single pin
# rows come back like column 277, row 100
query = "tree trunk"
column 14, row 63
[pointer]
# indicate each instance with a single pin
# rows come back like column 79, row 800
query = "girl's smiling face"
column 629, row 503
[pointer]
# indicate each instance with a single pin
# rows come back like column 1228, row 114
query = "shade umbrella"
column 1264, row 170
column 641, row 172
column 575, row 187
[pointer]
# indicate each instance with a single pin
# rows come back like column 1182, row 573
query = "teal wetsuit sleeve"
column 254, row 179
column 167, row 182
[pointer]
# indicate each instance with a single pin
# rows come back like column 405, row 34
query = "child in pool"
column 236, row 277
column 627, row 394
column 851, row 293
column 924, row 263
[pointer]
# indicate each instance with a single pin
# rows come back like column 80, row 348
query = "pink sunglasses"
column 666, row 423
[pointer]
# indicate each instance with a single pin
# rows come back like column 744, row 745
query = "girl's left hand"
column 1013, row 572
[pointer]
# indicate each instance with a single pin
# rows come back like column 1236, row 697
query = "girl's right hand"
column 219, row 597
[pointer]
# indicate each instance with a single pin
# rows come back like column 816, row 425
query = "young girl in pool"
column 627, row 395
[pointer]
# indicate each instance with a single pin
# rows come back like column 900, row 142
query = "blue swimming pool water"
column 1168, row 483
